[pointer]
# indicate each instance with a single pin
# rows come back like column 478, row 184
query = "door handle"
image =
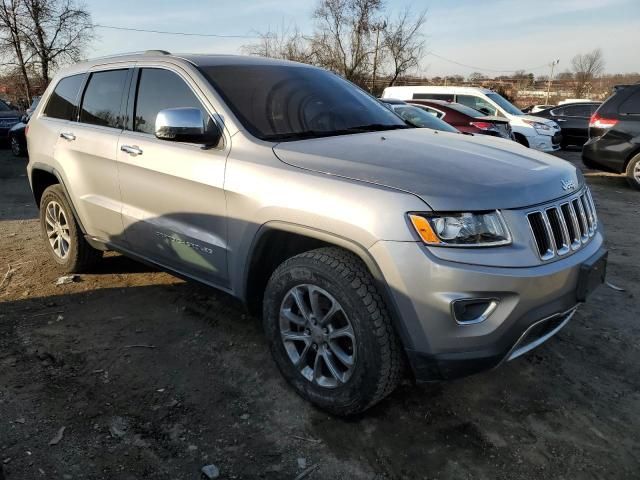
column 131, row 149
column 68, row 136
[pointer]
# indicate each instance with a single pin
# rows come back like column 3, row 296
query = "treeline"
column 358, row 39
column 38, row 35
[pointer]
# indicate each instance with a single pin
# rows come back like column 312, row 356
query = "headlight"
column 539, row 127
column 467, row 229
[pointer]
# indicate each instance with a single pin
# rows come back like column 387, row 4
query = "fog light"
column 468, row 311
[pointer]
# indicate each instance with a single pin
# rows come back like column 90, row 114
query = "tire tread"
column 355, row 273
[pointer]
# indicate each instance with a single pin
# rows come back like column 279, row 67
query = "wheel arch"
column 630, row 157
column 521, row 139
column 42, row 176
column 285, row 240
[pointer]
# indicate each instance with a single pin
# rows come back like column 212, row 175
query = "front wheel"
column 633, row 172
column 330, row 333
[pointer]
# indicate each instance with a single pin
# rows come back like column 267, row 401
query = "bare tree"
column 475, row 77
column 287, row 43
column 586, row 66
column 343, row 41
column 12, row 42
column 56, row 31
column 405, row 43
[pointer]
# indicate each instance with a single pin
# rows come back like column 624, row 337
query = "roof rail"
column 157, row 52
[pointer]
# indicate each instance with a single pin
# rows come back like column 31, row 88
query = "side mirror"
column 24, row 118
column 185, row 125
column 485, row 110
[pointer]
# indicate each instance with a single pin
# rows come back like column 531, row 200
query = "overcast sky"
column 490, row 34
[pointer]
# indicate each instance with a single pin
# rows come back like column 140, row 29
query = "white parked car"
column 575, row 100
column 535, row 132
column 536, row 108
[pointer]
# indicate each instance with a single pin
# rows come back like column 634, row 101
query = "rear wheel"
column 330, row 333
column 62, row 235
column 633, row 172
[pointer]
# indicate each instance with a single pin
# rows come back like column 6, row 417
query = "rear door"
column 574, row 122
column 174, row 207
column 86, row 150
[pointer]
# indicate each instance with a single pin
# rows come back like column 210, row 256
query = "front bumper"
column 423, row 287
column 545, row 143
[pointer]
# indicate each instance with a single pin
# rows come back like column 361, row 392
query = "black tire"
column 378, row 361
column 521, row 139
column 80, row 256
column 633, row 172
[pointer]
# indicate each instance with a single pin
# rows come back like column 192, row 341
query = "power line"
column 185, row 34
column 189, row 34
column 483, row 69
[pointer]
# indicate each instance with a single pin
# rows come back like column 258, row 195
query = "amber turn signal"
column 424, row 229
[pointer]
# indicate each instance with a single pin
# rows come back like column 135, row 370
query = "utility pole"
column 552, row 65
column 377, row 27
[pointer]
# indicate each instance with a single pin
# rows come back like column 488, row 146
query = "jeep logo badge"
column 568, row 184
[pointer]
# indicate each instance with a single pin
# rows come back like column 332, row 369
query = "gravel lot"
column 209, row 393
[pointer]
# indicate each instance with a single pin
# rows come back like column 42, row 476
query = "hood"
column 536, row 118
column 449, row 171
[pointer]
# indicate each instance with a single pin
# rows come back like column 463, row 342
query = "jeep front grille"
column 565, row 226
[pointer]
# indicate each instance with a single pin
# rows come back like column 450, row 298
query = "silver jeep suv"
column 370, row 248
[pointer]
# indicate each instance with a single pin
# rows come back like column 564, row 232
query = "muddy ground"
column 209, row 393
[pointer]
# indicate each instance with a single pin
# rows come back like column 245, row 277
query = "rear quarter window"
column 631, row 106
column 63, row 101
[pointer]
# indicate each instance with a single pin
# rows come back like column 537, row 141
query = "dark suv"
column 614, row 135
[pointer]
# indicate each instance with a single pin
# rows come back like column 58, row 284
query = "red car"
column 466, row 119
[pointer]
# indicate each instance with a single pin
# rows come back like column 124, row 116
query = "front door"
column 174, row 208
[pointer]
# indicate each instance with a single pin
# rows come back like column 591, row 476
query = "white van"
column 535, row 132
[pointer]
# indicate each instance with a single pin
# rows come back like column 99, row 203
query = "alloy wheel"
column 317, row 336
column 57, row 227
column 636, row 172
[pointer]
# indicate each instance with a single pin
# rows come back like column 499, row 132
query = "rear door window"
column 63, row 101
column 631, row 106
column 102, row 99
column 159, row 89
column 583, row 111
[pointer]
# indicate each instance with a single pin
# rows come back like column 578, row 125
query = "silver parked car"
column 368, row 246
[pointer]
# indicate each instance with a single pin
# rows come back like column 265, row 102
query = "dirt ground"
column 76, row 356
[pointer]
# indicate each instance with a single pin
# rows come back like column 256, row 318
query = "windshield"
column 505, row 104
column 4, row 107
column 470, row 112
column 282, row 102
column 419, row 118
